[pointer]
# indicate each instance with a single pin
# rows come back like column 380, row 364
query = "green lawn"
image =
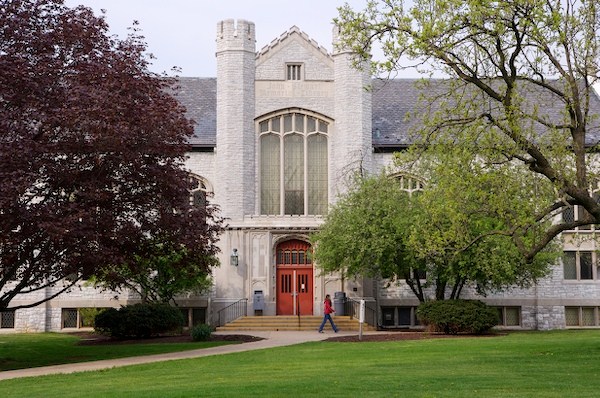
column 20, row 351
column 533, row 364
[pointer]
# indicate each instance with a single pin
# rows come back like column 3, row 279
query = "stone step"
column 291, row 323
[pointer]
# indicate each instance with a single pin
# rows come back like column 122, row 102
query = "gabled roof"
column 294, row 30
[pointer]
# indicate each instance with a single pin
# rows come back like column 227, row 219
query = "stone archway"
column 295, row 278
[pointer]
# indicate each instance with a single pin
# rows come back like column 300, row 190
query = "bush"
column 201, row 332
column 139, row 320
column 457, row 316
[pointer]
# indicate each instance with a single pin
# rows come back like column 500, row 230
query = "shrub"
column 457, row 316
column 139, row 320
column 106, row 321
column 201, row 332
column 88, row 315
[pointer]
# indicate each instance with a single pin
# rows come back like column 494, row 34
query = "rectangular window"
column 317, row 174
column 198, row 316
column 420, row 274
column 7, row 319
column 69, row 318
column 572, row 316
column 576, row 213
column 399, row 317
column 185, row 315
column 509, row 316
column 193, row 316
column 579, row 265
column 270, row 177
column 585, row 265
column 581, row 316
column 293, row 174
column 294, row 72
column 570, row 265
column 74, row 318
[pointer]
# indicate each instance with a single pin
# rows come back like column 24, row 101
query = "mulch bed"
column 96, row 339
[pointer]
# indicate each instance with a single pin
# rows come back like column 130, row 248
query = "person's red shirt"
column 328, row 309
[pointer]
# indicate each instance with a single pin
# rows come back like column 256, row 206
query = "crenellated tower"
column 235, row 151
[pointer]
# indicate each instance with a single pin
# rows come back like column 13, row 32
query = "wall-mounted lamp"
column 234, row 259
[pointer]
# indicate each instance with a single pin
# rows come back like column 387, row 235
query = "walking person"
column 327, row 311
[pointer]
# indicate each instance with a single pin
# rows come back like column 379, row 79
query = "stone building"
column 277, row 132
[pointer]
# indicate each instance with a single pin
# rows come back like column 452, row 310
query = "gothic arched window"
column 199, row 191
column 293, row 164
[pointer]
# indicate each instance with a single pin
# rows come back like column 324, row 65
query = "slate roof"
column 393, row 100
column 199, row 96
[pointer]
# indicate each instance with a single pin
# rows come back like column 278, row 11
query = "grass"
column 531, row 364
column 21, row 351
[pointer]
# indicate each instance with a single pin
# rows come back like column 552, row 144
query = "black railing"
column 232, row 312
column 352, row 308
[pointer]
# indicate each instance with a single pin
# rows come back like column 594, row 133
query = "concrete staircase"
column 291, row 323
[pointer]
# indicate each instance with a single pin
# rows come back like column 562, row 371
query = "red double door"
column 294, row 278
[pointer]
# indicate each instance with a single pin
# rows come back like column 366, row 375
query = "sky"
column 182, row 33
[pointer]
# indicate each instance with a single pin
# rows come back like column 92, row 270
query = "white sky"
column 182, row 32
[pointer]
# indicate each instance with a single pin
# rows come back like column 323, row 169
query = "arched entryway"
column 294, row 278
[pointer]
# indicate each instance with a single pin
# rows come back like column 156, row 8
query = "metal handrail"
column 352, row 308
column 232, row 312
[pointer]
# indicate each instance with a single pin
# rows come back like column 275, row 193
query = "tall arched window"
column 293, row 165
column 409, row 184
column 412, row 186
column 199, row 191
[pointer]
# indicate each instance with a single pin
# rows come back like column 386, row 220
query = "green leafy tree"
column 519, row 96
column 462, row 230
column 366, row 234
column 160, row 273
column 92, row 149
column 378, row 229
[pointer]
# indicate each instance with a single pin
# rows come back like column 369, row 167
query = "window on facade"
column 580, row 265
column 193, row 316
column 79, row 317
column 293, row 165
column 399, row 317
column 509, row 316
column 420, row 274
column 69, row 318
column 293, row 257
column 198, row 193
column 7, row 319
column 412, row 186
column 582, row 316
column 293, row 72
column 576, row 213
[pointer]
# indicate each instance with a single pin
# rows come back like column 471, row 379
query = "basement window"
column 7, row 319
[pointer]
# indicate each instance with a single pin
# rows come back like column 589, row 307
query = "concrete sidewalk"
column 270, row 339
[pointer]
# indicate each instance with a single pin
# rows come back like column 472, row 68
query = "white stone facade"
column 250, row 86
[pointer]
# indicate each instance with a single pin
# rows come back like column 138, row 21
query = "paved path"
column 270, row 339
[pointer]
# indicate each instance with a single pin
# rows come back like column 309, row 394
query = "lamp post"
column 234, row 258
